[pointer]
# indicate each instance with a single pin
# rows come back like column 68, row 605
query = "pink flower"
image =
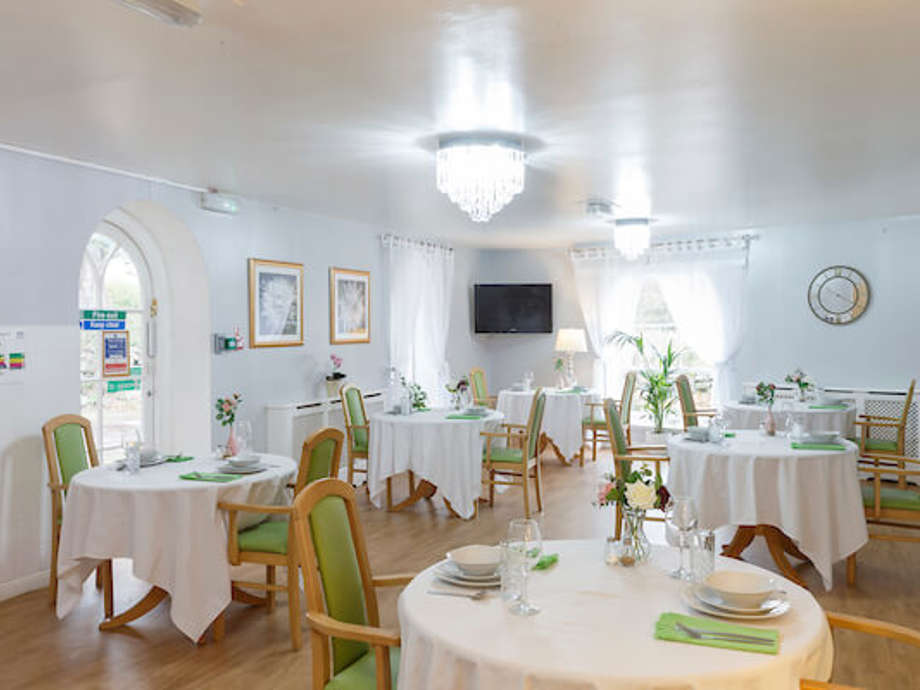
column 227, row 406
column 604, row 492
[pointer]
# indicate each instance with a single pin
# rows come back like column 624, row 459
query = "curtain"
column 420, row 279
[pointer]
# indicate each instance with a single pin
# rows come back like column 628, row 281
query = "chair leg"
column 593, row 445
column 526, row 493
column 389, row 494
column 618, row 529
column 491, row 488
column 52, row 573
column 108, row 600
column 269, row 593
column 351, row 470
column 293, row 589
column 851, row 569
column 538, row 484
column 902, row 480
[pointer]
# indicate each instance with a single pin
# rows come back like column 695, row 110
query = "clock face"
column 838, row 295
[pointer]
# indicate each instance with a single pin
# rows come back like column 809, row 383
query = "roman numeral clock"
column 838, row 295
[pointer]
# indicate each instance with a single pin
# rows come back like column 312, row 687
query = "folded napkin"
column 546, row 562
column 796, row 445
column 665, row 629
column 219, row 477
column 834, row 406
column 465, row 416
column 729, row 434
column 178, row 458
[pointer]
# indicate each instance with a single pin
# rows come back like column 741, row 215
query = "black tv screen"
column 513, row 308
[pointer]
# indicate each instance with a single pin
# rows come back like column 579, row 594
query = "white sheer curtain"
column 420, row 277
column 608, row 293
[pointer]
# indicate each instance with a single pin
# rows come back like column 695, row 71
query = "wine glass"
column 525, row 544
column 681, row 516
column 528, row 380
column 244, row 437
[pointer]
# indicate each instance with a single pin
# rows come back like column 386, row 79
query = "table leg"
column 547, row 441
column 424, row 489
column 744, row 535
column 778, row 542
column 144, row 606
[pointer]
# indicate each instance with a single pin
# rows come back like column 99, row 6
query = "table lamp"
column 570, row 341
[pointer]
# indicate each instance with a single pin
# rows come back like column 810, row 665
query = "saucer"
column 691, row 599
column 242, row 469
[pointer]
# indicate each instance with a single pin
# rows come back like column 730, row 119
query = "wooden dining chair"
column 594, row 426
column 518, row 461
column 69, row 449
column 350, row 650
column 690, row 413
column 357, row 428
column 885, row 503
column 898, row 425
column 625, row 454
column 869, row 626
column 269, row 543
column 480, row 389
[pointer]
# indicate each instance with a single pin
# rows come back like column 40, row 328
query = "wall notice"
column 115, row 354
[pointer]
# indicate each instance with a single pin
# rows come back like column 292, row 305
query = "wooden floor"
column 37, row 650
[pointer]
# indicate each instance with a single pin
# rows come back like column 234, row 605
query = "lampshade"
column 571, row 340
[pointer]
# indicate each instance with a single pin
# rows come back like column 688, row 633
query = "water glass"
column 717, row 429
column 244, row 437
column 681, row 516
column 131, row 444
column 525, row 542
column 528, row 380
column 511, row 572
column 703, row 554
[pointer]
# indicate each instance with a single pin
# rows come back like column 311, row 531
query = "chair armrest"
column 878, row 416
column 645, row 448
column 509, row 425
column 878, row 424
column 887, row 471
column 254, row 508
column 398, row 580
column 599, row 404
column 874, row 627
column 889, row 458
column 54, row 486
column 359, row 426
column 701, row 413
column 641, row 458
column 349, row 631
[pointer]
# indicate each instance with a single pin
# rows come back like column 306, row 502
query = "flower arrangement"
column 558, row 364
column 336, row 372
column 461, row 386
column 227, row 407
column 639, row 490
column 800, row 379
column 417, row 396
column 766, row 392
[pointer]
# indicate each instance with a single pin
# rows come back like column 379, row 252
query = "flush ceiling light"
column 177, row 12
column 480, row 174
column 632, row 237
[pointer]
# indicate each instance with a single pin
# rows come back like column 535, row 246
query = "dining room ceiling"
column 711, row 116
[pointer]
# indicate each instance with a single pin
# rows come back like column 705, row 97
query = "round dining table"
column 171, row 529
column 562, row 417
column 813, row 416
column 595, row 630
column 441, row 447
column 805, row 503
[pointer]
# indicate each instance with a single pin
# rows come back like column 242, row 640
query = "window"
column 114, row 277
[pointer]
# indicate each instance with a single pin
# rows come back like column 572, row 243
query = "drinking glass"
column 717, row 429
column 510, row 571
column 681, row 516
column 528, row 380
column 526, row 545
column 131, row 445
column 244, row 437
column 703, row 554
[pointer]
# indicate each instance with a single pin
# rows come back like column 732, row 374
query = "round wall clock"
column 838, row 295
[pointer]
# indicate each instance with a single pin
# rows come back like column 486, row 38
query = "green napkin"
column 546, row 562
column 219, row 477
column 178, row 457
column 818, row 446
column 465, row 416
column 665, row 629
column 835, row 406
column 729, row 434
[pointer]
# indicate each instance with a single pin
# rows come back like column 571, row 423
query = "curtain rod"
column 390, row 240
column 693, row 244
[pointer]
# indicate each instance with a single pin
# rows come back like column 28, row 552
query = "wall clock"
column 838, row 295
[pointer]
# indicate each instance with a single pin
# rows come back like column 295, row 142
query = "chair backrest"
column 535, row 423
column 355, row 416
column 615, row 428
column 687, row 405
column 320, row 457
column 626, row 400
column 478, row 386
column 336, row 574
column 69, row 447
column 907, row 403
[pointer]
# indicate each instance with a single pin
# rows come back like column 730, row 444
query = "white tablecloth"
column 738, row 416
column 813, row 496
column 170, row 527
column 561, row 418
column 595, row 631
column 446, row 452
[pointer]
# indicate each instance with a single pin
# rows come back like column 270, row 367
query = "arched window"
column 116, row 392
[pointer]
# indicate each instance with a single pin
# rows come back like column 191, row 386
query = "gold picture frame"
column 275, row 303
column 349, row 306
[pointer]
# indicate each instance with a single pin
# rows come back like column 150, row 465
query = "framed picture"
column 116, row 354
column 275, row 303
column 349, row 306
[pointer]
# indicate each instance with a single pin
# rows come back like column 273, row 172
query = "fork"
column 724, row 636
column 475, row 596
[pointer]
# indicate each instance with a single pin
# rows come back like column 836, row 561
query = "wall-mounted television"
column 513, row 308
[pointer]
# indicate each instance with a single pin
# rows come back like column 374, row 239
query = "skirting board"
column 21, row 585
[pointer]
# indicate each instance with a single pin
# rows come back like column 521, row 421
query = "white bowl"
column 148, row 453
column 245, row 460
column 698, row 433
column 476, row 559
column 822, row 436
column 743, row 590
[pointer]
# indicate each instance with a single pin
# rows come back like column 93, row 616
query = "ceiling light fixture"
column 177, row 12
column 632, row 237
column 480, row 174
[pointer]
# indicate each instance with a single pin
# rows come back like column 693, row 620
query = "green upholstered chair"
column 885, row 502
column 480, row 389
column 269, row 543
column 689, row 411
column 69, row 449
column 350, row 651
column 896, row 426
column 519, row 460
column 594, row 426
column 357, row 428
column 624, row 455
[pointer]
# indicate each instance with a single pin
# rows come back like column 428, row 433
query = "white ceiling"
column 724, row 114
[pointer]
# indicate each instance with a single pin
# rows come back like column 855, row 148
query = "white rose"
column 640, row 495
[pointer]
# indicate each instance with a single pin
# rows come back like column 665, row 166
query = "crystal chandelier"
column 480, row 174
column 632, row 237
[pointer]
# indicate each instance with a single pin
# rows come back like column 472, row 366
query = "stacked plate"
column 474, row 566
column 150, row 457
column 248, row 464
column 448, row 572
column 738, row 595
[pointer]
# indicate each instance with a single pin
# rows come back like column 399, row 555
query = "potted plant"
column 335, row 377
column 766, row 394
column 801, row 381
column 640, row 490
column 226, row 415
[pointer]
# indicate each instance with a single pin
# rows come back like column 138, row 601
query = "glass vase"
column 802, row 392
column 633, row 547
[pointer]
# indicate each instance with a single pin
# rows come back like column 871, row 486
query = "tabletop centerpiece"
column 226, row 415
column 801, row 381
column 418, row 398
column 640, row 490
column 766, row 394
column 335, row 377
column 459, row 393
